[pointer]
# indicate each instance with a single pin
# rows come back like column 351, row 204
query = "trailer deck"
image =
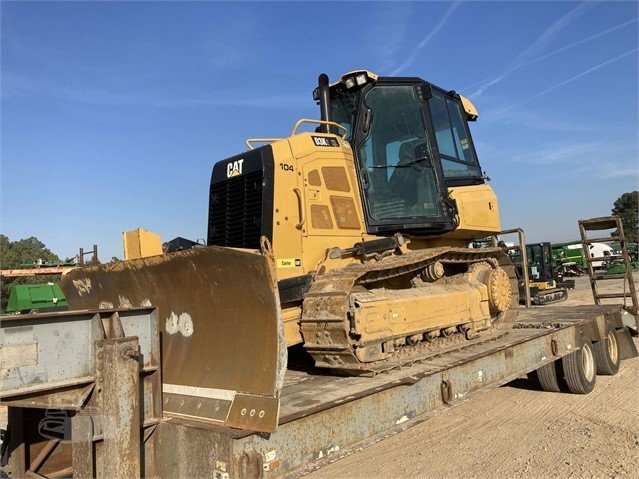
column 321, row 416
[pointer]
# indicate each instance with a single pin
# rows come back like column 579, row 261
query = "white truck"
column 600, row 250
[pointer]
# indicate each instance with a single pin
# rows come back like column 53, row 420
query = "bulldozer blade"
column 223, row 348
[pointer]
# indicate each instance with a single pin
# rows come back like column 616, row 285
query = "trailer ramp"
column 624, row 282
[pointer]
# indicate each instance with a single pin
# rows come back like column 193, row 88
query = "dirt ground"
column 514, row 432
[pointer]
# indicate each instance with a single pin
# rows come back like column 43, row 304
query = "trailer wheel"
column 580, row 368
column 549, row 376
column 607, row 352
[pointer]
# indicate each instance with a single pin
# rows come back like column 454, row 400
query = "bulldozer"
column 348, row 239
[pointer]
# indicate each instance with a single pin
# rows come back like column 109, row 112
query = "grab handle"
column 300, row 205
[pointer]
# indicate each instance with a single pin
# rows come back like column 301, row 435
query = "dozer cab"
column 348, row 240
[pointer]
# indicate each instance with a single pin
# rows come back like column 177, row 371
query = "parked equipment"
column 571, row 259
column 36, row 297
column 571, row 256
column 545, row 284
column 140, row 243
column 539, row 280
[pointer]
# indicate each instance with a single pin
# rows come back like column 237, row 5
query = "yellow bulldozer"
column 348, row 238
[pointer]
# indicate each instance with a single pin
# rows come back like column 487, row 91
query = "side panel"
column 332, row 199
column 317, row 204
column 478, row 211
column 288, row 213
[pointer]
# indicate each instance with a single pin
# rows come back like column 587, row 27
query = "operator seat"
column 402, row 181
column 415, row 183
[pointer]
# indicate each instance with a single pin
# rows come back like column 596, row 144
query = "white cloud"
column 571, row 159
column 620, row 171
column 413, row 55
column 512, row 106
column 540, row 121
column 562, row 153
column 390, row 22
column 18, row 85
column 527, row 56
column 483, row 84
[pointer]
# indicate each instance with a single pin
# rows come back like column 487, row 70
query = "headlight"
column 361, row 79
column 349, row 83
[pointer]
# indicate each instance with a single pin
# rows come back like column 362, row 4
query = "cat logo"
column 234, row 168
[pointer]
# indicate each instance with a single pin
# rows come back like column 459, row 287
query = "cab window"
column 453, row 140
column 394, row 156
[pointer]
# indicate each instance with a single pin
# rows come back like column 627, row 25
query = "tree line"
column 627, row 208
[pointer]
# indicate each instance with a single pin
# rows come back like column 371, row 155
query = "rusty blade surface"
column 222, row 334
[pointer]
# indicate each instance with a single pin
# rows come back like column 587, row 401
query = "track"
column 550, row 296
column 336, row 340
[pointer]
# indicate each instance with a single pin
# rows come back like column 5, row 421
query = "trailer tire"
column 580, row 368
column 549, row 376
column 607, row 352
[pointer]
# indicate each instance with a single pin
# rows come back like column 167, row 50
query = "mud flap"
column 223, row 348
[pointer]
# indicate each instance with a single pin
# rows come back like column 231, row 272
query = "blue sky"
column 113, row 114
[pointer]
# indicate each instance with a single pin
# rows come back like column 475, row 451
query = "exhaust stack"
column 324, row 101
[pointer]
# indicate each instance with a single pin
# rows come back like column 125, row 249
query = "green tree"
column 627, row 208
column 16, row 253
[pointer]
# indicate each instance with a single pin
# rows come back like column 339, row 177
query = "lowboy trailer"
column 84, row 394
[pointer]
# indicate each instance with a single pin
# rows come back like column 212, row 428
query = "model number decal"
column 286, row 167
column 324, row 141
